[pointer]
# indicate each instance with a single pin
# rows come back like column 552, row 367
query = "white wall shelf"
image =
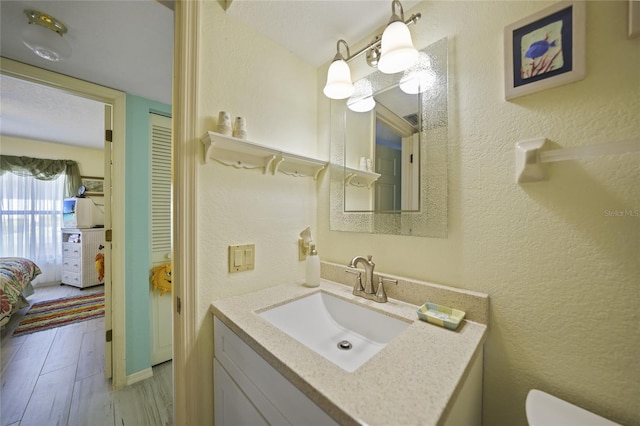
column 241, row 153
column 359, row 178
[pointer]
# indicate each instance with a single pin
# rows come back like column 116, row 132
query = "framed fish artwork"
column 545, row 50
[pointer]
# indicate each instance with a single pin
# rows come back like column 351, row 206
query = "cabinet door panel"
column 232, row 407
column 274, row 395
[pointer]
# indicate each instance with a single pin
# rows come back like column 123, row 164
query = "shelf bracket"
column 276, row 163
column 320, row 169
column 268, row 166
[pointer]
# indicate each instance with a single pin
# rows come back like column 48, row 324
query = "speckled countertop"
column 411, row 381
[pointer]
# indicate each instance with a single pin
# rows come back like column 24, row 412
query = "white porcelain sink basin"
column 345, row 333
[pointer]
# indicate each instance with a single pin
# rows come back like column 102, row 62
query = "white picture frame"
column 546, row 49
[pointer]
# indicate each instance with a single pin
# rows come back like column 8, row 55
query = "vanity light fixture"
column 339, row 85
column 44, row 36
column 396, row 52
column 392, row 52
column 362, row 98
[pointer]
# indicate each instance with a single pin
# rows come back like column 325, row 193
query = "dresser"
column 79, row 249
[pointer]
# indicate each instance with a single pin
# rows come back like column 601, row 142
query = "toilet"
column 546, row 410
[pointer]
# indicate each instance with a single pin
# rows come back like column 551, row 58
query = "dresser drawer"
column 71, row 250
column 71, row 264
column 71, row 278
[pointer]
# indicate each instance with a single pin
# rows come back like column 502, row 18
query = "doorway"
column 114, row 262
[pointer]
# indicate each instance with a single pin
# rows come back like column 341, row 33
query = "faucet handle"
column 358, row 284
column 381, row 295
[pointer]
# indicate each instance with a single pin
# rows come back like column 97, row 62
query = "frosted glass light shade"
column 397, row 51
column 419, row 77
column 362, row 98
column 418, row 82
column 339, row 85
column 362, row 104
column 45, row 43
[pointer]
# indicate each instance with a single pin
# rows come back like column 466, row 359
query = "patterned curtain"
column 43, row 169
column 32, row 192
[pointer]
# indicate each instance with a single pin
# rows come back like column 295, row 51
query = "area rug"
column 56, row 313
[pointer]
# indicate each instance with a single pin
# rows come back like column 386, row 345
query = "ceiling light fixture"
column 43, row 35
column 392, row 52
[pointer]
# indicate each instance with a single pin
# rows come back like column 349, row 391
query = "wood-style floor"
column 56, row 377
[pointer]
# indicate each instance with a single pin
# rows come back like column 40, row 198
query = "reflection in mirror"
column 396, row 151
column 389, row 151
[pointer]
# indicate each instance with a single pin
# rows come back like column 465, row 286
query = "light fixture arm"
column 338, row 54
column 377, row 40
column 394, row 15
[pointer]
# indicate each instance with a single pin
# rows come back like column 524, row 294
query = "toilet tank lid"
column 543, row 409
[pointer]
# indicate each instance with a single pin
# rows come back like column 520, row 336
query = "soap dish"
column 443, row 316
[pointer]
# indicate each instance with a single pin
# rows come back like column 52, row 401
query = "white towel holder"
column 530, row 158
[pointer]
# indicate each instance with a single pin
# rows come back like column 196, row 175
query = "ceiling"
column 311, row 28
column 128, row 45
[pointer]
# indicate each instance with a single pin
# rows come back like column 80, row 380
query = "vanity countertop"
column 412, row 380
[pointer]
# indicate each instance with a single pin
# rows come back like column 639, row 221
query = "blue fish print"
column 539, row 48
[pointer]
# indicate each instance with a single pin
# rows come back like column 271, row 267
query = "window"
column 30, row 222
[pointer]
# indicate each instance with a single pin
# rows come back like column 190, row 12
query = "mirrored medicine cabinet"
column 402, row 189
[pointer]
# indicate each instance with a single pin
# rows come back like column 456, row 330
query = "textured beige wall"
column 90, row 161
column 562, row 272
column 245, row 74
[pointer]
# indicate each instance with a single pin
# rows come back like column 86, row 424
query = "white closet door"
column 161, row 312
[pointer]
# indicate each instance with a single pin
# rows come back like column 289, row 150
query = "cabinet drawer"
column 71, row 278
column 71, row 250
column 71, row 264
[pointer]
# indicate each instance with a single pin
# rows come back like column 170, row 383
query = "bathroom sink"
column 345, row 333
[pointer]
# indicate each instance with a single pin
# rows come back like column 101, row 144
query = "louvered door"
column 161, row 312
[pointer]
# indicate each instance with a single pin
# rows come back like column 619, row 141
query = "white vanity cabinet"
column 247, row 390
column 79, row 249
column 426, row 375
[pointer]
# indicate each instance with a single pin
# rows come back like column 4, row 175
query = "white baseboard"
column 139, row 376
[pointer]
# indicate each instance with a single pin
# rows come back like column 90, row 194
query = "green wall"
column 137, row 231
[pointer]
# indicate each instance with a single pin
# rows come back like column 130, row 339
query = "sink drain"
column 344, row 345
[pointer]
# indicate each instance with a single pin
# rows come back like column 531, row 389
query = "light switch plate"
column 242, row 257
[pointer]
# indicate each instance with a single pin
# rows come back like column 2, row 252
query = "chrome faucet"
column 367, row 291
column 368, row 272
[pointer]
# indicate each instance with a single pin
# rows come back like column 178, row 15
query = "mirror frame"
column 431, row 220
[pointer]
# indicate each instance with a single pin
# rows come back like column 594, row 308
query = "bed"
column 16, row 274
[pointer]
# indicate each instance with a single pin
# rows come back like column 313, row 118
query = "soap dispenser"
column 312, row 267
